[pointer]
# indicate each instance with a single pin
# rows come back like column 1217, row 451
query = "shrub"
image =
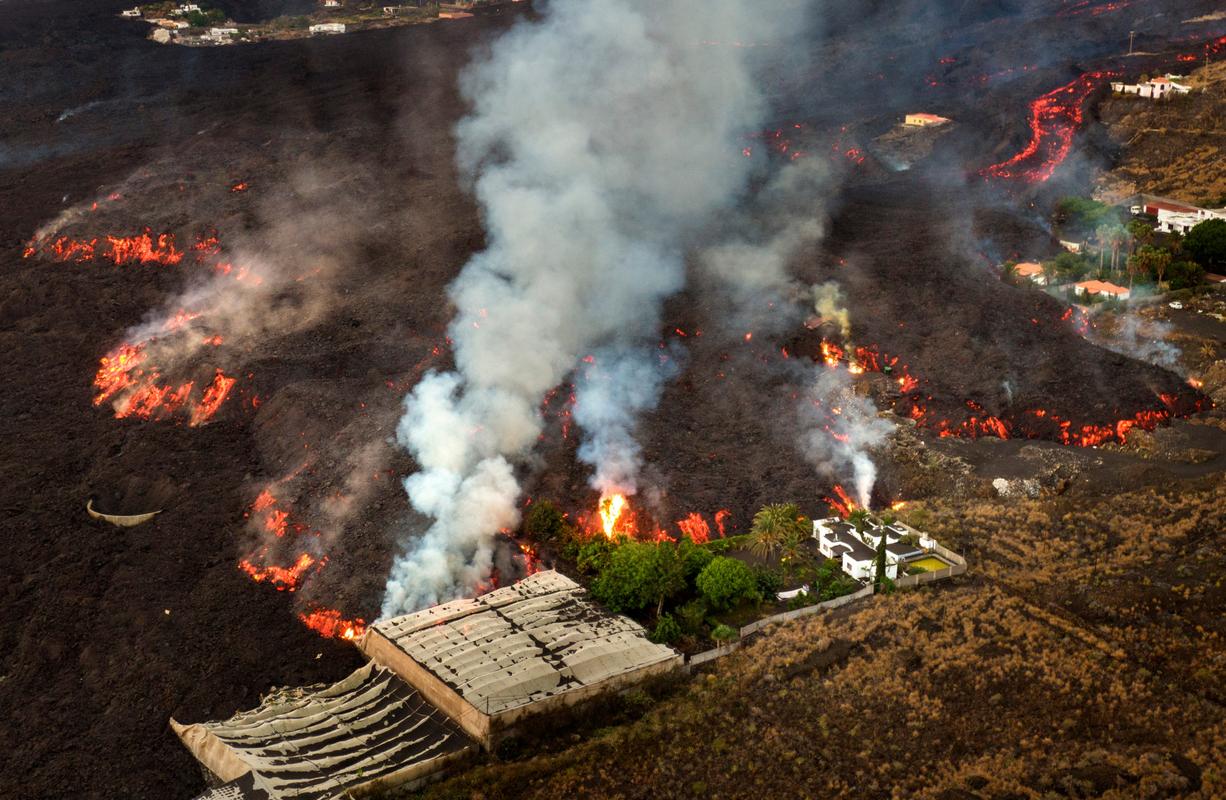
column 693, row 616
column 768, row 581
column 545, row 523
column 667, row 630
column 723, row 633
column 593, row 554
column 726, row 581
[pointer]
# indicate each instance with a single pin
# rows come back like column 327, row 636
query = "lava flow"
column 278, row 532
column 1032, row 423
column 329, row 623
column 1054, row 119
column 144, row 248
column 138, row 390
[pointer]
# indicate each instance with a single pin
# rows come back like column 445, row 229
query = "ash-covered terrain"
column 224, row 269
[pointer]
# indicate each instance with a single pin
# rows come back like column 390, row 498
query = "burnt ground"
column 111, row 631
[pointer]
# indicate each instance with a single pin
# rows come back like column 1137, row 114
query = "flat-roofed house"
column 923, row 120
column 534, row 646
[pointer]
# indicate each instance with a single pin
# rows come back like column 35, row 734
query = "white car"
column 1175, row 304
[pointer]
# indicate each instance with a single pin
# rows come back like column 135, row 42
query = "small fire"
column 125, row 375
column 695, row 527
column 898, row 505
column 612, row 508
column 721, row 519
column 285, row 579
column 842, row 502
column 329, row 623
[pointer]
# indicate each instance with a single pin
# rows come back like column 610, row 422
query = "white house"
column 130, row 12
column 222, row 33
column 391, row 11
column 332, row 3
column 857, row 553
column 1154, row 89
column 328, row 27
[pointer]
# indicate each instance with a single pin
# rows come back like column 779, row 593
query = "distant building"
column 391, row 11
column 1154, row 89
column 332, row 3
column 130, row 12
column 924, row 120
column 1103, row 288
column 1031, row 270
column 328, row 27
column 1072, row 247
column 222, row 33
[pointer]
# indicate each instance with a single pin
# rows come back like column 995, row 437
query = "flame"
column 285, row 579
column 143, row 248
column 329, row 623
column 695, row 527
column 124, row 374
column 611, row 509
column 721, row 517
column 898, row 505
column 214, row 395
column 842, row 502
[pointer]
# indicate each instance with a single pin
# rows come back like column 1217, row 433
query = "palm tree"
column 791, row 550
column 772, row 526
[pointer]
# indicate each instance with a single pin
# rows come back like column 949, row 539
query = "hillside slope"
column 1172, row 148
column 1083, row 657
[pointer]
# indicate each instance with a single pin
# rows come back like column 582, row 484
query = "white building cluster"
column 1165, row 86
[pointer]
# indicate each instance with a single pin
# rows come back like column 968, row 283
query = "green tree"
column 1206, row 244
column 791, row 550
column 1141, row 233
column 1148, row 260
column 667, row 630
column 545, row 523
column 1186, row 274
column 859, row 520
column 772, row 525
column 637, row 574
column 1066, row 265
column 726, row 581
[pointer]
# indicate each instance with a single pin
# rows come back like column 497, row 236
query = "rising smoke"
column 602, row 138
column 837, row 427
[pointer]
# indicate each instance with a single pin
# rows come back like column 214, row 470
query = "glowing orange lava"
column 329, row 623
column 1054, row 119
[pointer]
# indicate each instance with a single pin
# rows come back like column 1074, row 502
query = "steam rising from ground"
column 602, row 138
column 839, row 429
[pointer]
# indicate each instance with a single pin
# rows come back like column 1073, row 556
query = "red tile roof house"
column 1031, row 270
column 1102, row 288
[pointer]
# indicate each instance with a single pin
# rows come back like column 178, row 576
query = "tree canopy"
column 775, row 524
column 726, row 581
column 1206, row 243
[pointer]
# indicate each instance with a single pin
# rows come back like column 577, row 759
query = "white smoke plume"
column 602, row 137
column 1128, row 333
column 609, row 397
column 839, row 429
